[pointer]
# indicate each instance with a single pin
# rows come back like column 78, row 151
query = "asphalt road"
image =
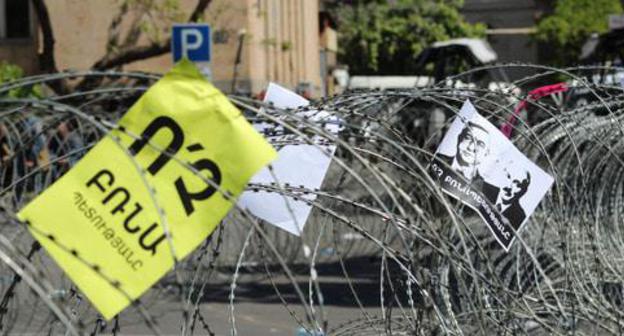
column 258, row 308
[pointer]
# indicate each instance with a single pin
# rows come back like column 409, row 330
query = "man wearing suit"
column 472, row 149
column 508, row 202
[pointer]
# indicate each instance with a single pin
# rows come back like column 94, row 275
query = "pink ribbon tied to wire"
column 532, row 96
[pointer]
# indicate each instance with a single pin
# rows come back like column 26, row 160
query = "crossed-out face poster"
column 476, row 164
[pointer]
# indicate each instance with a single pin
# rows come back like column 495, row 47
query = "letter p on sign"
column 191, row 41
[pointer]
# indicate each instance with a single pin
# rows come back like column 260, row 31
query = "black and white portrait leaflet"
column 476, row 164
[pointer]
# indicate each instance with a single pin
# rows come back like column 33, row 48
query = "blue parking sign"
column 191, row 40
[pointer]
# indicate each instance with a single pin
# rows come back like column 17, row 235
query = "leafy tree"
column 571, row 24
column 385, row 37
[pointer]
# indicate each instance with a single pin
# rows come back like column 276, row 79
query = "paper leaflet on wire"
column 476, row 164
column 120, row 218
column 296, row 165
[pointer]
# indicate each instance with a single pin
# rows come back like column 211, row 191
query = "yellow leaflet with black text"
column 104, row 221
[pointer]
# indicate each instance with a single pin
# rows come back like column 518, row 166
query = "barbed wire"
column 382, row 240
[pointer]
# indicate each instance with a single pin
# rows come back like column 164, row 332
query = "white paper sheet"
column 478, row 165
column 296, row 165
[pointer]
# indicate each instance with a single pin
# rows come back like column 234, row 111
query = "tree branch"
column 47, row 61
column 132, row 54
column 199, row 10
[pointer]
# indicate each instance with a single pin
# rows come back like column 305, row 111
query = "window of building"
column 15, row 19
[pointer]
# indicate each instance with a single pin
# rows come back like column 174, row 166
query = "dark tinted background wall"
column 18, row 38
column 497, row 14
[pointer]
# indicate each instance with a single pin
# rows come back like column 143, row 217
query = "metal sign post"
column 193, row 41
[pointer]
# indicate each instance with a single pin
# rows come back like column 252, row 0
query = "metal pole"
column 239, row 52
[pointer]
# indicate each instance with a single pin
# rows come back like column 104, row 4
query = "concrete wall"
column 81, row 29
column 20, row 52
column 506, row 14
column 281, row 44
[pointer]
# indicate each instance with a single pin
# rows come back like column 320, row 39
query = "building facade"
column 18, row 35
column 510, row 24
column 279, row 39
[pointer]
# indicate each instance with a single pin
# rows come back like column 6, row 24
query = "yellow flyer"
column 150, row 191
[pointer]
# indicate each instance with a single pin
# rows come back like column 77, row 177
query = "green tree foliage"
column 571, row 24
column 385, row 36
column 10, row 72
